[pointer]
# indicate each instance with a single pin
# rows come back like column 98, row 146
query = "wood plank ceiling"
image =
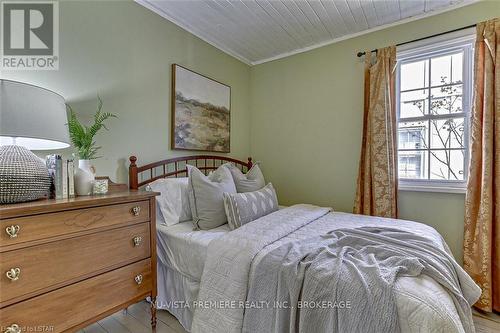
column 256, row 31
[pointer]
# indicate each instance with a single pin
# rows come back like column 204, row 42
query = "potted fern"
column 82, row 137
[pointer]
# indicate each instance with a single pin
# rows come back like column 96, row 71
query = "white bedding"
column 184, row 249
column 181, row 256
column 423, row 305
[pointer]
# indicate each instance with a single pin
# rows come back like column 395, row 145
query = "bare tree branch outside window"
column 450, row 129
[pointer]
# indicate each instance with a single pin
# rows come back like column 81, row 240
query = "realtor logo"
column 30, row 35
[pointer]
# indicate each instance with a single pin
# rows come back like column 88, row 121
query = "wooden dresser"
column 68, row 263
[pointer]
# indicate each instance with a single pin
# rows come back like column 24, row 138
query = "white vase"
column 84, row 178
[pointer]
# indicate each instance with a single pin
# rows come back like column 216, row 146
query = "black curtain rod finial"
column 360, row 54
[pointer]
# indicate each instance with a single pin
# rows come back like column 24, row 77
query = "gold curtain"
column 376, row 192
column 482, row 209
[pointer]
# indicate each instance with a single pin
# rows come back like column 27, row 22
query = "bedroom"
column 300, row 115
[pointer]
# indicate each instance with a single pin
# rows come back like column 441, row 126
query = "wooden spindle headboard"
column 175, row 167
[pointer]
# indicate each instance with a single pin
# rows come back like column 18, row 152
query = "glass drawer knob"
column 138, row 279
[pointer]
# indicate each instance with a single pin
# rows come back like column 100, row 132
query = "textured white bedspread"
column 184, row 249
column 422, row 304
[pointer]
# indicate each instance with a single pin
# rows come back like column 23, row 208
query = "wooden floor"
column 487, row 323
column 136, row 320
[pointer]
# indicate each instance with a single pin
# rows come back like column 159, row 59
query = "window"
column 433, row 89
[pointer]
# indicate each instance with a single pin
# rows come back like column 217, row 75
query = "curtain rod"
column 360, row 54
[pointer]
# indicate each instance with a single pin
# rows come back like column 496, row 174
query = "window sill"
column 432, row 188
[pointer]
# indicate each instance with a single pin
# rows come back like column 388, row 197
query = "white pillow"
column 251, row 181
column 206, row 196
column 173, row 201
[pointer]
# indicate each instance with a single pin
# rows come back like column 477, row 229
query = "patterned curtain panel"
column 376, row 192
column 482, row 210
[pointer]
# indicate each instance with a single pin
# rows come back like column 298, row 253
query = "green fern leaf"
column 82, row 136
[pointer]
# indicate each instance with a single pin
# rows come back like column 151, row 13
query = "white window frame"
column 446, row 44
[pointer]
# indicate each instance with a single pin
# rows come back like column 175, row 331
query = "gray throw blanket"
column 343, row 282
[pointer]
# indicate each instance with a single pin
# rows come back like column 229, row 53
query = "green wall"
column 123, row 52
column 307, row 122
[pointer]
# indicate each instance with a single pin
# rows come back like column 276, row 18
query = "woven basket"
column 23, row 175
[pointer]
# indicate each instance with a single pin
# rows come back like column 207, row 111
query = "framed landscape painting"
column 201, row 112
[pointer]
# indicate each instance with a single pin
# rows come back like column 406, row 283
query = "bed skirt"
column 175, row 290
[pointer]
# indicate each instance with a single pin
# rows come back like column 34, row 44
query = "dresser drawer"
column 63, row 309
column 52, row 264
column 36, row 227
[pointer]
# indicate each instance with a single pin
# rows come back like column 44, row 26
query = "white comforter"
column 422, row 304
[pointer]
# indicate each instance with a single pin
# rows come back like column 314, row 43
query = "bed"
column 188, row 273
column 180, row 250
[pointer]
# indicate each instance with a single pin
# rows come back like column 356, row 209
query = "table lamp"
column 31, row 118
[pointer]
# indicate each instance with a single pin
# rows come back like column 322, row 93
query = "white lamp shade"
column 32, row 117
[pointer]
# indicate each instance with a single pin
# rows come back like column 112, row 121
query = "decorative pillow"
column 251, row 181
column 242, row 208
column 173, row 202
column 205, row 196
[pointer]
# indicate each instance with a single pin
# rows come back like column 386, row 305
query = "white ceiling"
column 256, row 31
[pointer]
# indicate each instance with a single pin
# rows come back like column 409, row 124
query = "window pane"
column 457, row 158
column 412, row 164
column 457, row 132
column 412, row 135
column 456, row 104
column 440, row 71
column 440, row 133
column 414, row 75
column 457, row 67
column 447, row 133
column 446, row 99
column 447, row 164
column 414, row 103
